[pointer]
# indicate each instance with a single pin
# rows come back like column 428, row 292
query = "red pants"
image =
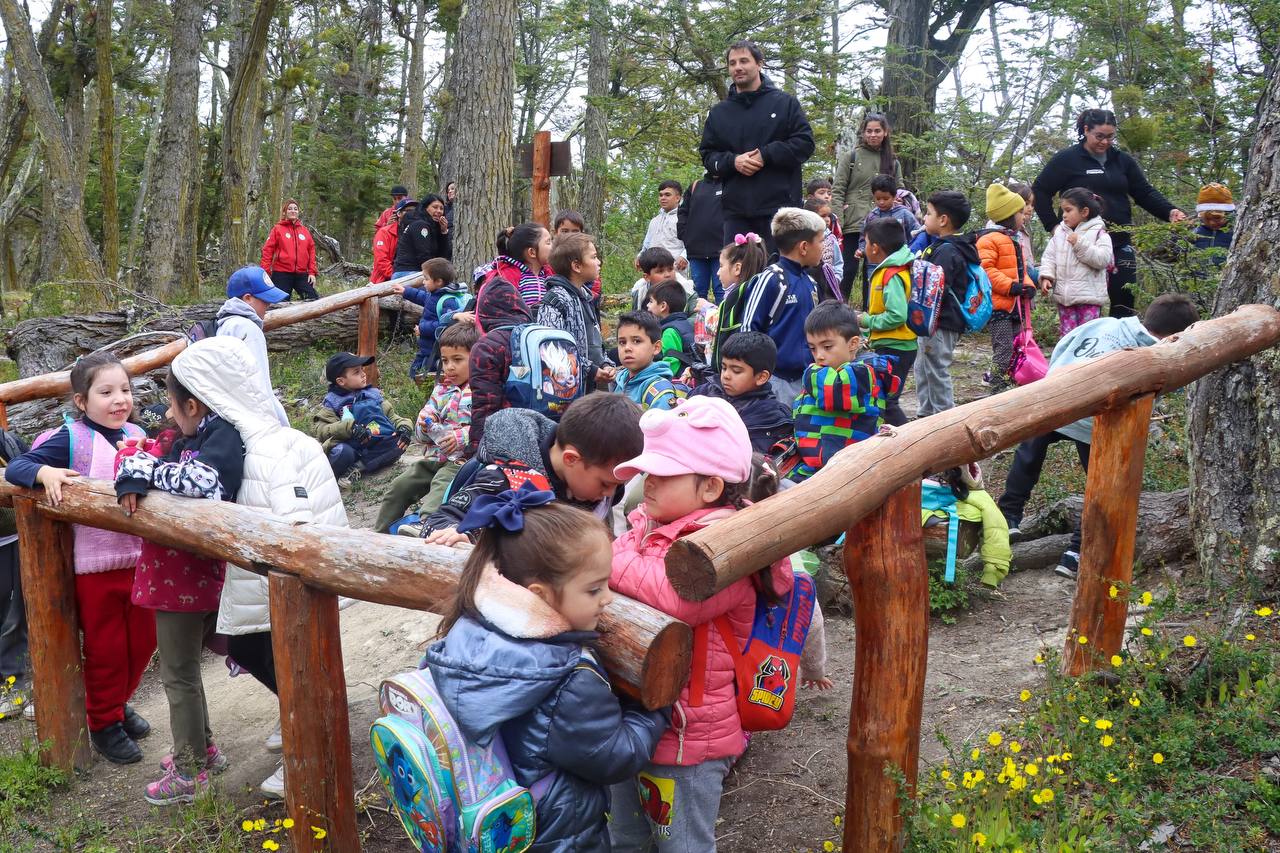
column 119, row 639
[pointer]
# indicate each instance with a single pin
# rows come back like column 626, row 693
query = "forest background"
column 159, row 140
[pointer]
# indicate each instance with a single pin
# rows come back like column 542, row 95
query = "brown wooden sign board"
column 561, row 159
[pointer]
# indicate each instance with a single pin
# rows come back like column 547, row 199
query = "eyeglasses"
column 1103, row 137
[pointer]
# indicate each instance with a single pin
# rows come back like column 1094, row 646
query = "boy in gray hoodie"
column 249, row 292
column 1166, row 315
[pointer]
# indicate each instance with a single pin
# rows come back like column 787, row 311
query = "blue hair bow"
column 505, row 509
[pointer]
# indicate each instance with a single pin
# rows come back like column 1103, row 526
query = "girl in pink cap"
column 698, row 460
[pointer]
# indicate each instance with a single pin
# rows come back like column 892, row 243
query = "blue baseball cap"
column 254, row 281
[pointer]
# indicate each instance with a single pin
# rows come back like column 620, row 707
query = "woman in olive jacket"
column 851, row 190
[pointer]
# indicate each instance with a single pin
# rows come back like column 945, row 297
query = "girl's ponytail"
column 747, row 250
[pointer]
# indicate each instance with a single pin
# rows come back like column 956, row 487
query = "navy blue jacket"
column 778, row 304
column 556, row 713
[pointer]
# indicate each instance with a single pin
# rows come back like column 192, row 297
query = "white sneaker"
column 273, row 787
column 29, row 712
column 275, row 741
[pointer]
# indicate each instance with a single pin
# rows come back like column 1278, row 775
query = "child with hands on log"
column 182, row 588
column 699, row 467
column 516, row 660
column 118, row 636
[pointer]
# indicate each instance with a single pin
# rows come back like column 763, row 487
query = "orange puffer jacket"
column 711, row 729
column 998, row 253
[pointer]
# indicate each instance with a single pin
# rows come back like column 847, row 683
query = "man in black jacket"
column 757, row 141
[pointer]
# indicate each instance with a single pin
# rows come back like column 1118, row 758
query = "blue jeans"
column 374, row 456
column 705, row 273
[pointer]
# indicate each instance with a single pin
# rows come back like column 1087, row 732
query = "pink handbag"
column 1029, row 363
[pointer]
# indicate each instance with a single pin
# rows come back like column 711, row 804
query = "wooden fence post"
column 889, row 583
column 542, row 178
column 49, row 589
column 367, row 340
column 1109, row 526
column 307, row 643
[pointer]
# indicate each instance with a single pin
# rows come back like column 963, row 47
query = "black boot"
column 115, row 745
column 134, row 725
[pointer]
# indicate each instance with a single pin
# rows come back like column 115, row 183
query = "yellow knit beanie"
column 1002, row 202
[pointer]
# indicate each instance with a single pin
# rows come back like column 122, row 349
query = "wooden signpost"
column 542, row 161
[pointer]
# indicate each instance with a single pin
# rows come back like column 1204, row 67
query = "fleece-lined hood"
column 223, row 374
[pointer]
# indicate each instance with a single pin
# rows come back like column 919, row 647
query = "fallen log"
column 646, row 651
column 861, row 477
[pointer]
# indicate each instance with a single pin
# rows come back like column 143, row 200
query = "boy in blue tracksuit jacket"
column 783, row 295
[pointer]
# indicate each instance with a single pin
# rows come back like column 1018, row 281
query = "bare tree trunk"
column 1234, row 421
column 412, row 156
column 278, row 186
column 144, row 185
column 477, row 150
column 239, row 129
column 175, row 148
column 80, row 256
column 595, row 122
column 8, row 208
column 107, row 134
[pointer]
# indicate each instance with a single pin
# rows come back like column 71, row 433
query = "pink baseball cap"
column 701, row 435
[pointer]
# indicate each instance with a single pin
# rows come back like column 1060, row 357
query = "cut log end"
column 665, row 670
column 691, row 570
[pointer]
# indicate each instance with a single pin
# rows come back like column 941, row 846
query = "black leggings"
column 291, row 281
column 1121, row 279
column 253, row 653
column 852, row 268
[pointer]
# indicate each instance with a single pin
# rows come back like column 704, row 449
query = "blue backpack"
column 976, row 307
column 451, row 796
column 366, row 410
column 545, row 375
column 934, row 496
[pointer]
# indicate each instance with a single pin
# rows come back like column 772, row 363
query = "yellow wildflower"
column 975, row 753
column 1188, row 641
column 1102, row 725
column 1031, row 770
column 1039, row 659
column 260, row 824
column 287, row 823
column 1135, row 701
column 1111, row 777
column 945, row 774
column 1084, row 719
column 1106, row 740
column 1116, row 660
column 320, row 833
column 1082, row 640
column 1250, row 637
column 995, row 738
column 1158, row 758
column 1146, row 599
column 246, row 825
column 1263, row 611
column 836, row 820
column 1015, row 747
column 828, row 846
column 1018, row 783
column 957, row 820
column 1114, row 591
column 1047, row 795
column 1026, row 694
column 979, row 839
column 270, row 845
column 1147, row 632
column 1066, row 756
column 11, row 680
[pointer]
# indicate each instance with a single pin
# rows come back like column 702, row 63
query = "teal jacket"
column 649, row 388
column 1093, row 339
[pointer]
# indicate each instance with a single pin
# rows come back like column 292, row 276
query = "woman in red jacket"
column 289, row 255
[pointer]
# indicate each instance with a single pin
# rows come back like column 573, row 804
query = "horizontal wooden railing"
column 872, row 491
column 59, row 384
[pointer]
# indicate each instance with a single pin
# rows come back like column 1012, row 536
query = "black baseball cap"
column 338, row 364
column 399, row 189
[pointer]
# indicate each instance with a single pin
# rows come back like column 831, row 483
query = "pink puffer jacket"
column 712, row 729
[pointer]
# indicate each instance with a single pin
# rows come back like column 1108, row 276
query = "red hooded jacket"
column 384, row 251
column 289, row 248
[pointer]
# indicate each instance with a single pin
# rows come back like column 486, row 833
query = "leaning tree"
column 1235, row 412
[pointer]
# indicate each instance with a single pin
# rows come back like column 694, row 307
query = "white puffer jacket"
column 1079, row 272
column 285, row 471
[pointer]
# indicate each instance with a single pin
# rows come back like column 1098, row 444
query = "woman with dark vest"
column 1097, row 165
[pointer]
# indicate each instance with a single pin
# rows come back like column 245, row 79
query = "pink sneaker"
column 173, row 788
column 215, row 761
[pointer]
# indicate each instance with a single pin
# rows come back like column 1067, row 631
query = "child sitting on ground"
column 746, row 363
column 516, row 662
column 964, row 486
column 699, row 466
column 1001, row 254
column 946, row 212
column 783, row 295
column 569, row 304
column 574, row 458
column 117, row 637
column 886, row 316
column 884, row 191
column 844, row 396
column 644, row 377
column 740, row 261
column 666, row 302
column 656, row 265
column 443, row 301
column 1166, row 315
column 1074, row 264
column 443, row 425
column 183, row 589
column 359, row 429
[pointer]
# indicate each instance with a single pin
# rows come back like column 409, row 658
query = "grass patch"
column 1169, row 743
column 25, row 785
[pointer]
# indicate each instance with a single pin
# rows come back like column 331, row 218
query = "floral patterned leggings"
column 1070, row 316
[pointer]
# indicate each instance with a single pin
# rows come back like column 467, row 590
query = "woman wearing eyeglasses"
column 851, row 191
column 1097, row 165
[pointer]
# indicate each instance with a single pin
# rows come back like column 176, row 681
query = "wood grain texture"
column 646, row 652
column 306, row 640
column 861, row 477
column 889, row 583
column 367, row 343
column 1109, row 527
column 542, row 178
column 49, row 589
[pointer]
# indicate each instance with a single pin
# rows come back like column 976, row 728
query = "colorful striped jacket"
column 839, row 406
